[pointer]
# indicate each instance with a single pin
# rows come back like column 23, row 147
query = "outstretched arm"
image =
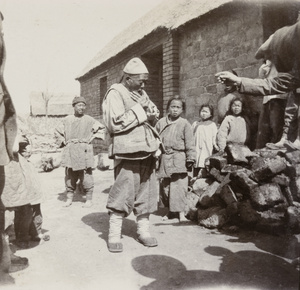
column 282, row 83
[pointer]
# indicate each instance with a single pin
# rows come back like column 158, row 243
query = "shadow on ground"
column 286, row 246
column 6, row 279
column 172, row 220
column 78, row 197
column 99, row 223
column 243, row 269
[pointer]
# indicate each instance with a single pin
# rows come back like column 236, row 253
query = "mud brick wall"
column 214, row 43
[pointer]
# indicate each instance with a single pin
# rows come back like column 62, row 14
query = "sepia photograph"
column 150, row 145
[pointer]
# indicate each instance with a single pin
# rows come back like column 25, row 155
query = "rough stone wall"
column 225, row 39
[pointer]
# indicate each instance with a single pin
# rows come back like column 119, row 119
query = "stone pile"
column 258, row 190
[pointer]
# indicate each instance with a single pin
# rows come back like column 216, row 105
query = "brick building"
column 184, row 43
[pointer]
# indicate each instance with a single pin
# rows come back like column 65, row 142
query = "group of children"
column 186, row 147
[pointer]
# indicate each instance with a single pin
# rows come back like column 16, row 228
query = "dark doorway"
column 154, row 87
column 103, row 90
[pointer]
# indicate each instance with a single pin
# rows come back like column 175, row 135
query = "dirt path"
column 187, row 257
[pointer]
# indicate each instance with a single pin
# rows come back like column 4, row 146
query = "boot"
column 143, row 232
column 114, row 235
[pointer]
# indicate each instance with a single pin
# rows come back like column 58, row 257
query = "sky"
column 49, row 42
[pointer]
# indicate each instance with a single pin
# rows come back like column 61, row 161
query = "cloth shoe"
column 114, row 236
column 143, row 232
column 41, row 237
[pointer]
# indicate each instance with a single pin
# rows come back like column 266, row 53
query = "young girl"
column 234, row 128
column 205, row 132
column 178, row 157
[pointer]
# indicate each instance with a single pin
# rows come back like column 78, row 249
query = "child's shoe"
column 182, row 217
column 41, row 237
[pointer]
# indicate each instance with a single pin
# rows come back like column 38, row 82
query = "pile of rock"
column 258, row 190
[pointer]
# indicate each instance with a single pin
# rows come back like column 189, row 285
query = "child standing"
column 35, row 193
column 178, row 157
column 234, row 128
column 205, row 132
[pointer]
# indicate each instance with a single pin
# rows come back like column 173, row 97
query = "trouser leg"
column 22, row 221
column 37, row 220
column 264, row 130
column 165, row 190
column 135, row 187
column 276, row 118
column 290, row 115
column 178, row 191
column 87, row 180
column 71, row 178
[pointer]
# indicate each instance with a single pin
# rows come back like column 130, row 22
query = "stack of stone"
column 257, row 190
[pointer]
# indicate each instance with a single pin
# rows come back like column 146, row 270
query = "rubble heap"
column 258, row 190
column 43, row 143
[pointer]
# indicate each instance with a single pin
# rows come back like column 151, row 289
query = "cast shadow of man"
column 239, row 270
column 6, row 279
column 285, row 246
column 99, row 222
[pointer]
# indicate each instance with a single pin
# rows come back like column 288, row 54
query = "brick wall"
column 170, row 68
column 224, row 39
column 227, row 39
column 112, row 69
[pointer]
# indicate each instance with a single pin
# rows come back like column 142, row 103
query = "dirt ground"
column 187, row 257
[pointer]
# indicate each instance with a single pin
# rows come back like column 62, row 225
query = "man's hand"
column 140, row 98
column 152, row 113
column 228, row 78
